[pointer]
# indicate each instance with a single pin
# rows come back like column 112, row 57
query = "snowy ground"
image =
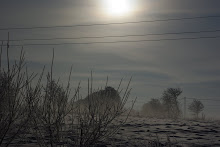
column 153, row 132
column 138, row 131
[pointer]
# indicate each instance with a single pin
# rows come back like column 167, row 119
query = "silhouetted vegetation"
column 153, row 108
column 170, row 102
column 50, row 114
column 14, row 114
column 196, row 107
column 168, row 106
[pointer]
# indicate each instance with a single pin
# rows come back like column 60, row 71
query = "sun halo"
column 117, row 7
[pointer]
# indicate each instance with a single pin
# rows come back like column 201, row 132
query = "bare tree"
column 170, row 102
column 196, row 107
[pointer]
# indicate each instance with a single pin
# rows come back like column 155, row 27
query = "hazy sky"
column 192, row 65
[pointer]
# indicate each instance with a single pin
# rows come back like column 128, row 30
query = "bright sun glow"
column 118, row 7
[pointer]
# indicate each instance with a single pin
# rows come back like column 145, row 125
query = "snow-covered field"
column 138, row 131
column 152, row 132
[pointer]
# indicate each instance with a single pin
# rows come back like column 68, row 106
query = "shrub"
column 96, row 115
column 63, row 120
column 14, row 114
column 51, row 115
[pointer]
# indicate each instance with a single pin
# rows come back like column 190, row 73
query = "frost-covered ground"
column 152, row 132
column 138, row 131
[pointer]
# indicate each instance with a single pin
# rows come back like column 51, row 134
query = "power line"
column 211, row 105
column 204, row 99
column 104, row 24
column 120, row 41
column 117, row 36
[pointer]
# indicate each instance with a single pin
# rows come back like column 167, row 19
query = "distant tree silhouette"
column 152, row 109
column 170, row 102
column 107, row 98
column 196, row 107
column 108, row 94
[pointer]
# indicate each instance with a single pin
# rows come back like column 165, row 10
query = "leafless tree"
column 196, row 107
column 170, row 102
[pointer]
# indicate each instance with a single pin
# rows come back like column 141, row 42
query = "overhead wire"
column 117, row 36
column 203, row 99
column 104, row 24
column 120, row 41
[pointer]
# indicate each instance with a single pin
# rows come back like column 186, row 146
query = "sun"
column 118, row 7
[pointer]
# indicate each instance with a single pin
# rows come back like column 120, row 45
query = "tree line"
column 168, row 106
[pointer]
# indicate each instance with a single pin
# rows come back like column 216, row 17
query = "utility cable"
column 117, row 36
column 104, row 24
column 120, row 41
